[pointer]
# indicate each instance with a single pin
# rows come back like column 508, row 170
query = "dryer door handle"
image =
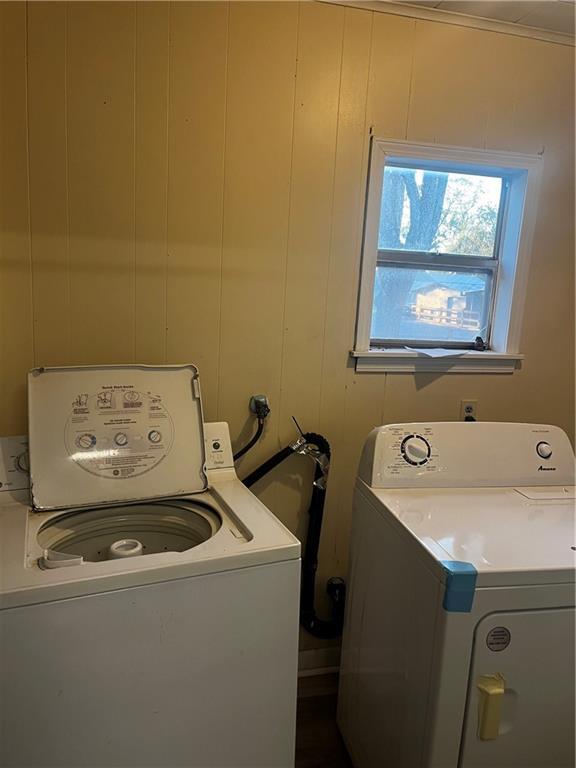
column 491, row 688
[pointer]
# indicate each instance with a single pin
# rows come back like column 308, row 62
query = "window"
column 445, row 257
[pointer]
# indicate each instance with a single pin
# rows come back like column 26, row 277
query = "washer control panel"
column 466, row 454
column 114, row 433
column 217, row 446
column 14, row 464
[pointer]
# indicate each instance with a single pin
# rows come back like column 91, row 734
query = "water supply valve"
column 259, row 406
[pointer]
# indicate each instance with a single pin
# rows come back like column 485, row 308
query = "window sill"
column 407, row 361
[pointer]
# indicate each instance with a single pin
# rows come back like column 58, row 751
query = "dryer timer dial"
column 415, row 450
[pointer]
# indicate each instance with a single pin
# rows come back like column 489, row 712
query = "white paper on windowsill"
column 437, row 352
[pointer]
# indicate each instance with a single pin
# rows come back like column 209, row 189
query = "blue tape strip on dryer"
column 460, row 586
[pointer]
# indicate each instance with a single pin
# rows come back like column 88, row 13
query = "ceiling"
column 552, row 15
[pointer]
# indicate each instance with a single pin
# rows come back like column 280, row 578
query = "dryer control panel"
column 466, row 454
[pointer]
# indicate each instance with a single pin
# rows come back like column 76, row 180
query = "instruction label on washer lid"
column 110, row 434
column 118, row 432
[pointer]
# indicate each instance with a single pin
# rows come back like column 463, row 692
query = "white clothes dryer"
column 458, row 646
column 148, row 600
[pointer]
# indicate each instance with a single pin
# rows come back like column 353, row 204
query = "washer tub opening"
column 163, row 526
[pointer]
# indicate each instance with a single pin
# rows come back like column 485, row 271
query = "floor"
column 318, row 742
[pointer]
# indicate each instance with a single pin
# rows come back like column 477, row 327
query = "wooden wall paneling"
column 16, row 304
column 391, row 55
column 287, row 490
column 436, row 397
column 100, row 77
column 546, row 124
column 48, row 182
column 318, row 73
column 541, row 75
column 515, row 398
column 151, row 168
column 342, row 276
column 387, row 101
column 2, row 247
column 316, row 105
column 452, row 85
column 350, row 172
column 260, row 105
column 364, row 409
column 500, row 92
column 197, row 101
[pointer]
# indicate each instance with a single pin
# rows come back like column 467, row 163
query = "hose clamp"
column 297, row 445
column 308, row 449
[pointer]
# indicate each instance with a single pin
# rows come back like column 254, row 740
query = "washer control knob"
column 154, row 436
column 415, row 450
column 22, row 463
column 121, row 439
column 544, row 450
column 86, row 441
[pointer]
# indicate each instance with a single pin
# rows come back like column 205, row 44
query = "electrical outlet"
column 468, row 410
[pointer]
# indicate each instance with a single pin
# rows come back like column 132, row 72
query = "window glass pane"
column 430, row 304
column 437, row 211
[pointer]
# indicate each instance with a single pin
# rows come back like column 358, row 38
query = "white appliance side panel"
column 195, row 672
column 388, row 645
column 534, row 652
column 102, row 435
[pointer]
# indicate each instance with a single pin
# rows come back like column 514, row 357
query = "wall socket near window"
column 468, row 409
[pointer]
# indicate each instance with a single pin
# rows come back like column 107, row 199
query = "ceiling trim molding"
column 441, row 16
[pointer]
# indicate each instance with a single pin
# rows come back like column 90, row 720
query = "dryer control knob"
column 121, row 439
column 544, row 450
column 415, row 450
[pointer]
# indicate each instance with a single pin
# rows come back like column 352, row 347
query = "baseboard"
column 319, row 661
column 318, row 671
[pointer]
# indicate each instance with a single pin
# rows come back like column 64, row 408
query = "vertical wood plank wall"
column 185, row 182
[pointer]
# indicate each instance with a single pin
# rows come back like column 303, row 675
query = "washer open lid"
column 103, row 435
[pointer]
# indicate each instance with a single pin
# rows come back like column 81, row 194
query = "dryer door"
column 520, row 710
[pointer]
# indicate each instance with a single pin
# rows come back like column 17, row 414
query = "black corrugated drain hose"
column 317, row 447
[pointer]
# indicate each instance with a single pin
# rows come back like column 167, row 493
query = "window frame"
column 509, row 263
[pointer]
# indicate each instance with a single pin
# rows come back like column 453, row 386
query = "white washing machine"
column 459, row 637
column 148, row 600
